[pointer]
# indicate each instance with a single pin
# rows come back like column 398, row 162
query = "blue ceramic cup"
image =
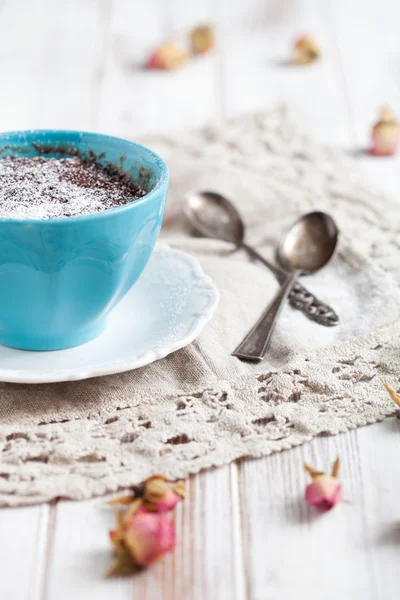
column 60, row 278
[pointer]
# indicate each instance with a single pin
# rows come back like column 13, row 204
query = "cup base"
column 49, row 343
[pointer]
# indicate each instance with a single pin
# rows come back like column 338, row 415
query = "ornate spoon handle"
column 316, row 310
column 300, row 298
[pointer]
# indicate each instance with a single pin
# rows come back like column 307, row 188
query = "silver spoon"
column 214, row 216
column 307, row 247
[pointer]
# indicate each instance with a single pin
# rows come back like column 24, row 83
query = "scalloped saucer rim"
column 182, row 286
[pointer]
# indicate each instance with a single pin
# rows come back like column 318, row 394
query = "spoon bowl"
column 214, row 216
column 309, row 244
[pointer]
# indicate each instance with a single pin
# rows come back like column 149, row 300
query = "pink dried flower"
column 167, row 57
column 385, row 134
column 145, row 531
column 325, row 490
column 305, row 50
column 202, row 38
column 149, row 536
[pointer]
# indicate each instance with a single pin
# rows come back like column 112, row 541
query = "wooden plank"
column 50, row 63
column 378, row 449
column 79, row 554
column 23, row 534
column 257, row 39
column 136, row 101
column 368, row 52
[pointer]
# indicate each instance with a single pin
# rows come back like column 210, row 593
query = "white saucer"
column 164, row 311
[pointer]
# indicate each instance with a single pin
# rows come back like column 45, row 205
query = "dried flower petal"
column 385, row 134
column 167, row 57
column 117, row 538
column 202, row 39
column 335, row 467
column 306, row 50
column 122, row 564
column 155, row 488
column 149, row 536
column 159, row 495
column 394, row 395
column 325, row 490
column 180, row 489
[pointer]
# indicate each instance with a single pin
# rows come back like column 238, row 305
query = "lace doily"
column 197, row 409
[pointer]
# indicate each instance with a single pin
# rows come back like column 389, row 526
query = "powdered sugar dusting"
column 46, row 188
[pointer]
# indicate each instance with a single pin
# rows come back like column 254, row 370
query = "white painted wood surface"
column 244, row 532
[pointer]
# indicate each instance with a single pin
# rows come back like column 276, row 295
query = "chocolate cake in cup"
column 80, row 214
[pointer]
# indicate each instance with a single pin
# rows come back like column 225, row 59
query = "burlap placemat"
column 201, row 407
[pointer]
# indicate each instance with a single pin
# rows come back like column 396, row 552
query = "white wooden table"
column 244, row 531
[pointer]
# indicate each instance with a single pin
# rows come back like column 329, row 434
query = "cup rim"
column 161, row 184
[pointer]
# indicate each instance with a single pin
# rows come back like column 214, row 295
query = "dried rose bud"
column 202, row 39
column 394, row 395
column 167, row 57
column 385, row 134
column 305, row 51
column 141, row 541
column 144, row 530
column 325, row 490
column 149, row 536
